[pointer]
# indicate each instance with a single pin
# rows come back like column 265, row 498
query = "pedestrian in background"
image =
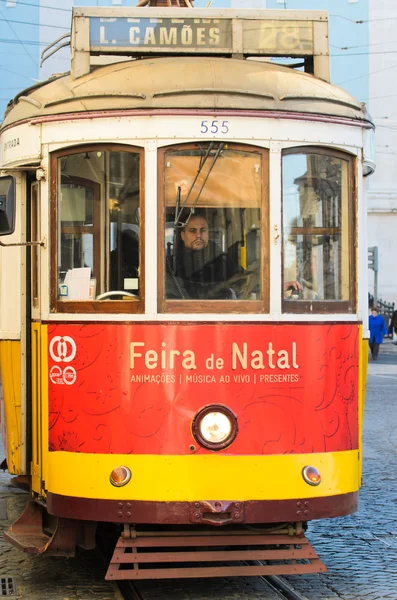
column 377, row 329
column 393, row 327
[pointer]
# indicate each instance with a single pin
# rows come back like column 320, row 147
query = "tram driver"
column 199, row 268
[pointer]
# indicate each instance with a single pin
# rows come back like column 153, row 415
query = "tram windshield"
column 317, row 225
column 213, row 213
column 98, row 225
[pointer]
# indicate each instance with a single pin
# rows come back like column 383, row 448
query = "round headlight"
column 215, row 427
column 311, row 475
column 120, row 476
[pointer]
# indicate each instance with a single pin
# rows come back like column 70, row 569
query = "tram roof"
column 179, row 82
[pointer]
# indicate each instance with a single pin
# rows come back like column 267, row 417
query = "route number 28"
column 214, row 127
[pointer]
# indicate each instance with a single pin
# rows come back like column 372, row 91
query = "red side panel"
column 116, row 388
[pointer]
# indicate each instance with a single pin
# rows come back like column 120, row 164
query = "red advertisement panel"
column 116, row 388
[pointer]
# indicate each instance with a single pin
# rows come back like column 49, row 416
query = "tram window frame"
column 328, row 306
column 35, row 235
column 109, row 305
column 175, row 306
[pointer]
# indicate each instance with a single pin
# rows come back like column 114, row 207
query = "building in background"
column 382, row 186
column 363, row 48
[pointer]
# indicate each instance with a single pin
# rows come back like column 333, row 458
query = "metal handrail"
column 50, row 46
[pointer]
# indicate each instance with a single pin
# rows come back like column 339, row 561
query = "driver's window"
column 98, row 208
column 213, row 231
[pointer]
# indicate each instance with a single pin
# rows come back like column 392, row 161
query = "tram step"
column 27, row 533
column 165, row 557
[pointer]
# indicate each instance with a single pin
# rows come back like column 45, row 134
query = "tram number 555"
column 215, row 127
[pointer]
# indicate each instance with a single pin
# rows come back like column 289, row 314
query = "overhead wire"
column 356, row 21
column 34, row 24
column 386, row 126
column 379, row 97
column 24, row 75
column 363, row 21
column 27, row 42
column 365, row 53
column 20, row 41
column 41, row 6
column 363, row 45
column 376, row 20
column 366, row 75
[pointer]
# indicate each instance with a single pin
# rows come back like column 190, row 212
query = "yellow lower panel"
column 364, row 370
column 190, row 478
column 362, row 390
column 10, row 367
column 39, row 373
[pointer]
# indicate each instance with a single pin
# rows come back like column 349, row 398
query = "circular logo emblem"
column 56, row 374
column 62, row 349
column 69, row 375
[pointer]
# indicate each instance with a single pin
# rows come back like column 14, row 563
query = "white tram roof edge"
column 186, row 82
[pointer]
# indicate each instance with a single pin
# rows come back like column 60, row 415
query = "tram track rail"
column 130, row 589
column 283, row 588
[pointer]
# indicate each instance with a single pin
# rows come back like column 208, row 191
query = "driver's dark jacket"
column 200, row 274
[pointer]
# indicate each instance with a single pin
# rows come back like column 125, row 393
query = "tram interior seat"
column 124, row 260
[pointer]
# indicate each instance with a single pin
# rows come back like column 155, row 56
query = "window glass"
column 213, row 224
column 98, row 226
column 316, row 228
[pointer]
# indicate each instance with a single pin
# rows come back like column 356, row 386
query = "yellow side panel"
column 39, row 407
column 362, row 391
column 44, row 403
column 363, row 372
column 10, row 367
column 190, row 478
column 37, row 425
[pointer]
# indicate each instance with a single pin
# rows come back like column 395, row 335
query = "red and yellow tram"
column 183, row 291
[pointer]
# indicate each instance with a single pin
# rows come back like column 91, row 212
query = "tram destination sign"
column 201, row 35
column 161, row 34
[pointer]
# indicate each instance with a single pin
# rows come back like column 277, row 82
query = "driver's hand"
column 292, row 285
